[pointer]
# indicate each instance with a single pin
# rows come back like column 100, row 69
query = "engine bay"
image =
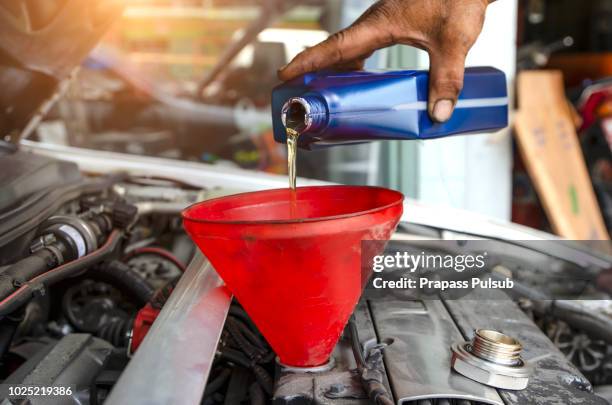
column 104, row 298
column 91, row 262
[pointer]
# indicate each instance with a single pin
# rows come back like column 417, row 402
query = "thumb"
column 445, row 84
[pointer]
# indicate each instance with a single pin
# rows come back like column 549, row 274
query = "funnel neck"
column 304, row 114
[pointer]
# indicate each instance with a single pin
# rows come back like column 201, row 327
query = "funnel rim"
column 187, row 217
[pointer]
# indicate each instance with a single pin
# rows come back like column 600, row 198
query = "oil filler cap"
column 492, row 358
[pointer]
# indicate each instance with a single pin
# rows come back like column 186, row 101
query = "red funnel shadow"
column 296, row 271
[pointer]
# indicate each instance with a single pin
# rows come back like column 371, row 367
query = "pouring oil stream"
column 292, row 137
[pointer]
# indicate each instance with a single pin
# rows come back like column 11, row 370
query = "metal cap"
column 492, row 358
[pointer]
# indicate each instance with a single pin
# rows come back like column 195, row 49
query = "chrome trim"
column 180, row 347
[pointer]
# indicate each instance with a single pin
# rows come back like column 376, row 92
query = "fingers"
column 356, row 64
column 447, row 57
column 345, row 48
column 445, row 84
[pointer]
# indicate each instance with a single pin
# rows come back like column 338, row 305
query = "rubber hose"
column 268, row 357
column 118, row 273
column 71, row 269
column 214, row 385
column 253, row 337
column 264, row 378
column 252, row 351
column 237, row 388
column 235, row 357
column 115, row 331
column 25, row 269
column 257, row 395
column 241, row 314
column 261, row 374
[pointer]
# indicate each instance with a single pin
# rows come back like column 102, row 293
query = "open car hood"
column 41, row 42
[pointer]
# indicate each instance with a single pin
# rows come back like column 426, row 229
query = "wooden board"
column 550, row 149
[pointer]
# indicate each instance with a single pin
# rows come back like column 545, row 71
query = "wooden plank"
column 550, row 149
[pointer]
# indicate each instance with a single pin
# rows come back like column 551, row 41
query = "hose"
column 237, row 311
column 253, row 337
column 161, row 252
column 214, row 385
column 235, row 357
column 24, row 293
column 116, row 331
column 254, row 352
column 262, row 376
column 26, row 269
column 256, row 394
column 120, row 274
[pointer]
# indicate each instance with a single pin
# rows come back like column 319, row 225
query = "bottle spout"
column 303, row 114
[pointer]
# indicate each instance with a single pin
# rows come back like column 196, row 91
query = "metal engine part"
column 417, row 363
column 339, row 385
column 554, row 378
column 72, row 362
column 588, row 351
column 416, row 359
column 183, row 339
column 492, row 358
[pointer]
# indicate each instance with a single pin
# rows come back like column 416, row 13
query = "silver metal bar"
column 172, row 364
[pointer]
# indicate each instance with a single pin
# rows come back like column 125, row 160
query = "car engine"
column 103, row 293
column 88, row 263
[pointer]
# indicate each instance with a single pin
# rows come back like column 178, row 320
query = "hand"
column 446, row 29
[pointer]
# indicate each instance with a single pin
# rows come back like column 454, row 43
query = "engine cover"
column 23, row 173
column 417, row 360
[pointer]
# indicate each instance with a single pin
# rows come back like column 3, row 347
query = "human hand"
column 446, row 29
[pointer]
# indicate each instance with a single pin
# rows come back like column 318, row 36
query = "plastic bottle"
column 332, row 108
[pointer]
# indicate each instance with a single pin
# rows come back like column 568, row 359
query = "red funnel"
column 295, row 268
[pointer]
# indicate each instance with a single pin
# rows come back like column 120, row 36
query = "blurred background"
column 191, row 80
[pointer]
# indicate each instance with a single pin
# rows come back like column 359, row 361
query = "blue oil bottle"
column 332, row 108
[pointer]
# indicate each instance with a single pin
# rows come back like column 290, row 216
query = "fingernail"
column 283, row 67
column 443, row 109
